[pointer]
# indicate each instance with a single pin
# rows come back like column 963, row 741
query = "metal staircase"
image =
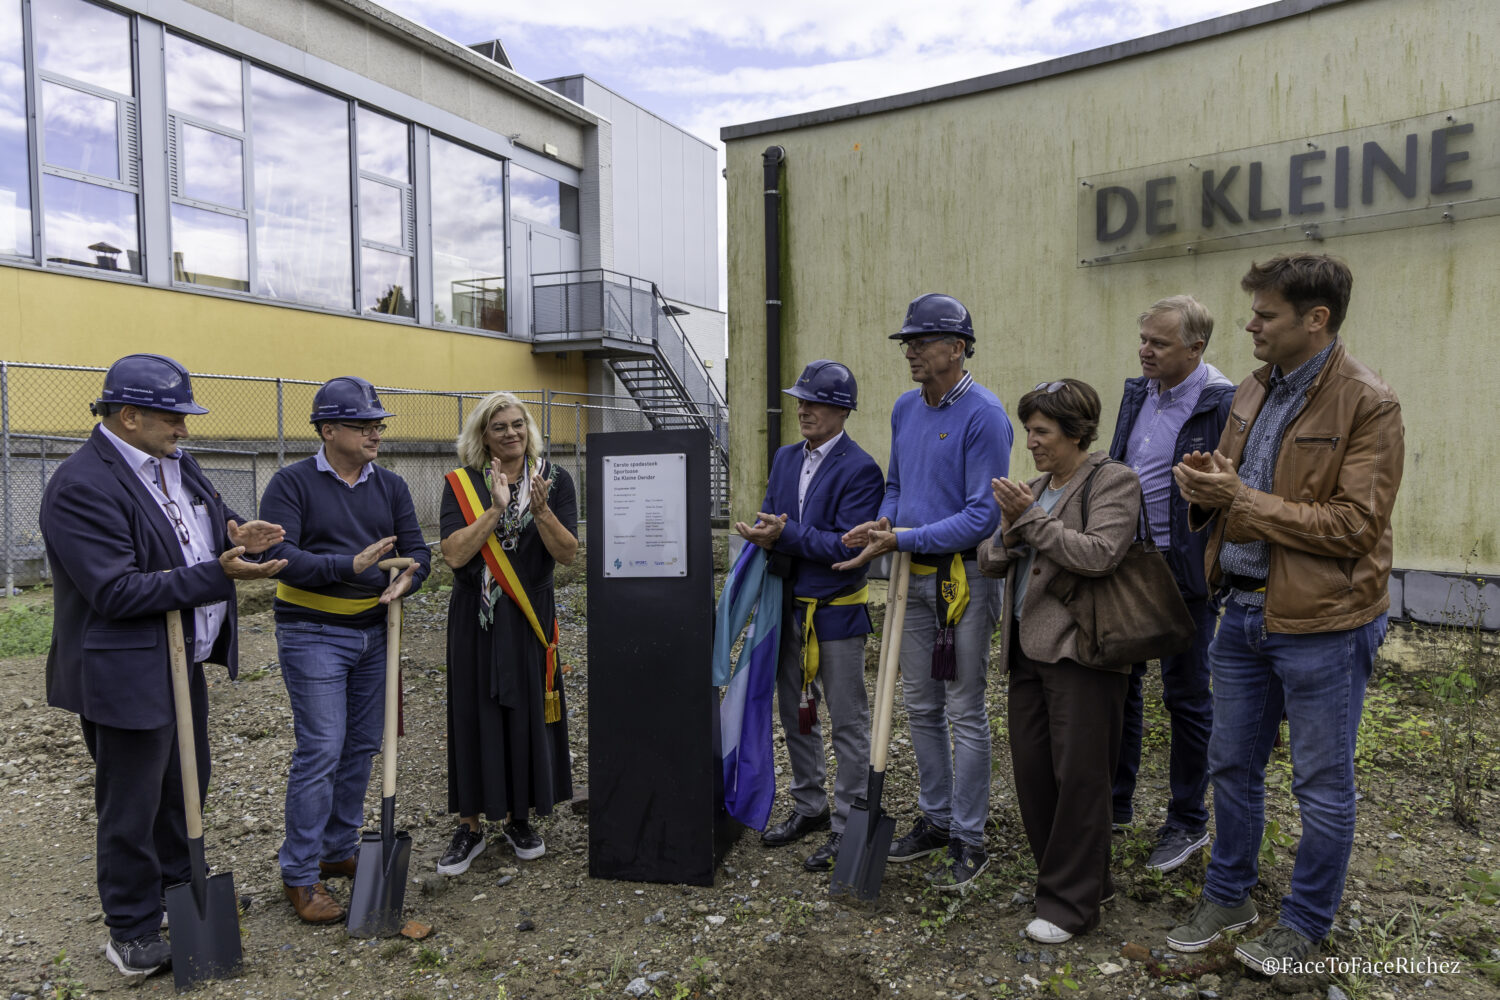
column 629, row 324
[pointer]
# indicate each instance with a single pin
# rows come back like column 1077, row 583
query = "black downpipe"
column 772, row 159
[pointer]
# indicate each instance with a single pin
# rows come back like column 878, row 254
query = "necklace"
column 1055, row 487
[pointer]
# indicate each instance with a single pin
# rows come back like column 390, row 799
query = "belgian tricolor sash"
column 953, row 599
column 505, row 576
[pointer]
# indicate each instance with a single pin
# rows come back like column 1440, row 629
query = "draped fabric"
column 750, row 604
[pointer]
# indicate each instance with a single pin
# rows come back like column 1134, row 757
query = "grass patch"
column 25, row 631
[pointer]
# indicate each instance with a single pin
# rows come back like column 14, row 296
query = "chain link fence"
column 256, row 425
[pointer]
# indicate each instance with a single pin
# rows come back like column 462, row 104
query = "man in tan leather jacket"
column 1298, row 498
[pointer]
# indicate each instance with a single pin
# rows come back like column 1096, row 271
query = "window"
column 206, row 160
column 387, row 227
column 15, row 158
column 303, row 208
column 468, row 237
column 89, row 136
column 541, row 199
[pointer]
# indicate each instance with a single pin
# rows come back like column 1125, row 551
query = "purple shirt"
column 1153, row 443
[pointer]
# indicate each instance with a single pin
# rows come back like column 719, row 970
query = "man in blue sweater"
column 341, row 513
column 949, row 438
column 1178, row 405
column 819, row 489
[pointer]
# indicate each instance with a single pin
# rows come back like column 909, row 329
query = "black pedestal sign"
column 655, row 779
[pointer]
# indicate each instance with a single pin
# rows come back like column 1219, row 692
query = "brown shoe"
column 313, row 903
column 339, row 869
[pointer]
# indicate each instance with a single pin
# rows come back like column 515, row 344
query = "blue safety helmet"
column 936, row 313
column 150, row 381
column 347, row 397
column 826, row 382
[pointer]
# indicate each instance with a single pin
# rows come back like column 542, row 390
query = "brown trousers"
column 1065, row 721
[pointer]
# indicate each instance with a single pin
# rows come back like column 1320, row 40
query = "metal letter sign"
column 1439, row 168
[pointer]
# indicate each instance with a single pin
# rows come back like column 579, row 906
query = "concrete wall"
column 978, row 196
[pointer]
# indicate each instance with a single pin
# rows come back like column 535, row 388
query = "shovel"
column 380, row 874
column 203, row 912
column 868, row 830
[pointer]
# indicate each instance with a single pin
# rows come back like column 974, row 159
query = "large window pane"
column 211, row 167
column 468, row 237
column 209, row 249
column 84, row 41
column 15, row 178
column 80, row 131
column 534, row 197
column 89, row 225
column 383, row 146
column 205, row 83
column 300, row 151
column 386, row 281
column 382, row 213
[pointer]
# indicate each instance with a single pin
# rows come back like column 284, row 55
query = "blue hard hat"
column 826, row 382
column 347, row 397
column 936, row 313
column 150, row 381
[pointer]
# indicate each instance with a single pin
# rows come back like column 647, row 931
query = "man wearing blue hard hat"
column 133, row 530
column 819, row 489
column 342, row 513
column 949, row 438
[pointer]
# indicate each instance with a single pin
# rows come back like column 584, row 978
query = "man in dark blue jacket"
column 342, row 513
column 133, row 530
column 1178, row 405
column 819, row 489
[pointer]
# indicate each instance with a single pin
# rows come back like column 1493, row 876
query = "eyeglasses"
column 366, row 430
column 175, row 513
column 1051, row 387
column 919, row 343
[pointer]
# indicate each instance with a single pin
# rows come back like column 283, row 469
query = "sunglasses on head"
column 1051, row 387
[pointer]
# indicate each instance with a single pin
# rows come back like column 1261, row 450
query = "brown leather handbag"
column 1135, row 613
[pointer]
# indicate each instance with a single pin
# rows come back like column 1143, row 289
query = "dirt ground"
column 767, row 929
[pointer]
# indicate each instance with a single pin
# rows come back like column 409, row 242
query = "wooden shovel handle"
column 182, row 703
column 392, row 680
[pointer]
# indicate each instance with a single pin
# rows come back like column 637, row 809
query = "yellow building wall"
column 62, row 319
column 977, row 197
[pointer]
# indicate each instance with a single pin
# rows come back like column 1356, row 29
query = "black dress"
column 502, row 757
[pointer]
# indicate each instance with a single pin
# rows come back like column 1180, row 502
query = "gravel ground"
column 544, row 929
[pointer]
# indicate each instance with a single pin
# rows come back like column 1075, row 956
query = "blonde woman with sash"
column 508, row 518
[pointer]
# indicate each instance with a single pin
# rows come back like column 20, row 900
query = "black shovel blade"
column 205, row 930
column 379, row 885
column 865, row 847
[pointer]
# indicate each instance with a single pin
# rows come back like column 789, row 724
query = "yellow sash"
column 810, row 634
column 505, row 575
column 322, row 602
column 953, row 584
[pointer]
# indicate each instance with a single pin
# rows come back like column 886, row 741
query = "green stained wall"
column 977, row 196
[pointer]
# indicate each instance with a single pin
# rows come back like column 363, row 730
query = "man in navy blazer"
column 133, row 530
column 819, row 489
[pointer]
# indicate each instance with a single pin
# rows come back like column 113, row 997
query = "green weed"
column 25, row 631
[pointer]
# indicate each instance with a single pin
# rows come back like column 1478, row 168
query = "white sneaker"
column 1046, row 932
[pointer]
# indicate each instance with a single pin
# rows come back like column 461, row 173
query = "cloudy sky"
column 706, row 64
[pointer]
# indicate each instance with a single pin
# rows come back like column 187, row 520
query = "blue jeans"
column 1185, row 693
column 953, row 779
column 335, row 677
column 1318, row 679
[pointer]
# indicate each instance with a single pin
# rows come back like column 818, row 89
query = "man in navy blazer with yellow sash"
column 133, row 530
column 819, row 489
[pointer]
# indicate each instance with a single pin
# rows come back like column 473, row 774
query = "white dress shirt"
column 812, row 460
column 196, row 524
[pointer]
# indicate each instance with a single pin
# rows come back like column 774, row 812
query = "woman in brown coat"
column 1064, row 718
